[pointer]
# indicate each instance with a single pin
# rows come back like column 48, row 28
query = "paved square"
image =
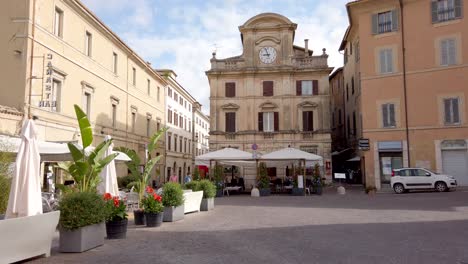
column 422, row 227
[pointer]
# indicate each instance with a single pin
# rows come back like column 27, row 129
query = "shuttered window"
column 307, row 87
column 308, row 121
column 451, row 109
column 386, row 61
column 268, row 121
column 169, row 116
column 176, row 119
column 448, row 52
column 388, row 115
column 268, row 88
column 445, row 10
column 230, row 89
column 231, row 122
column 385, row 22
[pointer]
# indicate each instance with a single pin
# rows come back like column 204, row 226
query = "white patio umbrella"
column 108, row 175
column 25, row 193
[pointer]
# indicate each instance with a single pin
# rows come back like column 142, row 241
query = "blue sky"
column 181, row 35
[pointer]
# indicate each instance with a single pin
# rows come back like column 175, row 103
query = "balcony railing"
column 446, row 14
column 230, row 136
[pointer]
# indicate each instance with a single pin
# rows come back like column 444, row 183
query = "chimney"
column 306, row 47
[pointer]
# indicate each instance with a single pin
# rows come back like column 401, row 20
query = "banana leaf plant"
column 135, row 162
column 85, row 168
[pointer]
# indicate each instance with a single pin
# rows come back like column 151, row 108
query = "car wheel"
column 398, row 188
column 441, row 186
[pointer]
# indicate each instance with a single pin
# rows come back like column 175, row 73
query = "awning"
column 355, row 158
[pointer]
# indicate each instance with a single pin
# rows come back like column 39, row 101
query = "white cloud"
column 193, row 32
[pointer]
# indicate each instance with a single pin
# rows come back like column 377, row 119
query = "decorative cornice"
column 275, row 40
column 268, row 105
column 307, row 104
column 230, row 106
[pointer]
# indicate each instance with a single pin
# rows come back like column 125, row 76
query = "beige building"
column 273, row 95
column 57, row 53
column 406, row 75
column 202, row 131
column 179, row 118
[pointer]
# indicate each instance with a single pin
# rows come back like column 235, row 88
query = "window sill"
column 389, row 127
column 452, row 124
column 386, row 34
column 447, row 22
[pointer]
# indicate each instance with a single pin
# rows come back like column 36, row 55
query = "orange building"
column 406, row 84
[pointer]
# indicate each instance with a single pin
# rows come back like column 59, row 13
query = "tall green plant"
column 218, row 176
column 134, row 163
column 263, row 181
column 196, row 174
column 85, row 169
column 6, row 172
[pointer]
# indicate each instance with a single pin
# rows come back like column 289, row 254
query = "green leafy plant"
column 5, row 185
column 196, row 174
column 218, row 176
column 172, row 194
column 208, row 188
column 85, row 169
column 125, row 182
column 152, row 202
column 193, row 185
column 81, row 209
column 134, row 164
column 115, row 207
column 6, row 160
column 263, row 181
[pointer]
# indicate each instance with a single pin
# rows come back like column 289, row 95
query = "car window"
column 421, row 172
column 404, row 173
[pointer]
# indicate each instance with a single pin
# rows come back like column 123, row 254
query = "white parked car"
column 405, row 179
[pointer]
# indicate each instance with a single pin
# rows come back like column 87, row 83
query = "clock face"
column 267, row 55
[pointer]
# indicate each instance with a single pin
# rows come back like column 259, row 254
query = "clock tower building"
column 274, row 95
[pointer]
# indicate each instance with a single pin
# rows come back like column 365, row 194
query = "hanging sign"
column 46, row 102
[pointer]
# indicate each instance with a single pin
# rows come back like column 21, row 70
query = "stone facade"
column 274, row 95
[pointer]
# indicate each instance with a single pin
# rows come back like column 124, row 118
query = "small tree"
column 316, row 173
column 84, row 168
column 263, row 181
column 196, row 174
column 134, row 163
column 218, row 176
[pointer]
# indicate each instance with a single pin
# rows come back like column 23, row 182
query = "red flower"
column 116, row 201
column 157, row 197
column 107, row 196
column 149, row 189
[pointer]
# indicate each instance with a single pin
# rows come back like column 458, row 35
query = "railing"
column 230, row 136
column 385, row 27
column 446, row 14
column 311, row 62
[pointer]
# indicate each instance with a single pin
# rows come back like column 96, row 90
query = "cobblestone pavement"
column 421, row 227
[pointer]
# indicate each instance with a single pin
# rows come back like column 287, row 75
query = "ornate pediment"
column 307, row 104
column 230, row 106
column 268, row 38
column 268, row 105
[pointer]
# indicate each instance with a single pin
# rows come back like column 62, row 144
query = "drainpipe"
column 33, row 31
column 403, row 49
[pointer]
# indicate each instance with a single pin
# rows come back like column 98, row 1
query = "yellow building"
column 58, row 53
column 406, row 75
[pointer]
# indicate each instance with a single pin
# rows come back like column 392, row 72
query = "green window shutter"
column 447, row 107
column 435, row 15
column 375, row 24
column 395, row 20
column 456, row 114
column 391, row 110
column 384, row 115
column 458, row 8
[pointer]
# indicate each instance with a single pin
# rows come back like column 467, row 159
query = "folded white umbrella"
column 108, row 175
column 25, row 193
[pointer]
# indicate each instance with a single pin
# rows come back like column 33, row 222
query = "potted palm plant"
column 153, row 208
column 82, row 210
column 145, row 176
column 173, row 202
column 209, row 192
column 116, row 222
column 263, row 181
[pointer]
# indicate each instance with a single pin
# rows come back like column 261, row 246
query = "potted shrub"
column 142, row 178
column 116, row 222
column 81, row 225
column 263, row 181
column 83, row 211
column 173, row 202
column 193, row 185
column 218, row 175
column 209, row 192
column 153, row 208
column 317, row 182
